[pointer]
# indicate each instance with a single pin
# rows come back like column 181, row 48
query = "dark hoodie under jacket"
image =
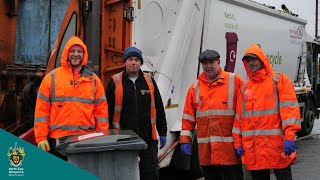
column 135, row 114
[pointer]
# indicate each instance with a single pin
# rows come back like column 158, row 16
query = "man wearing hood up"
column 71, row 99
column 267, row 118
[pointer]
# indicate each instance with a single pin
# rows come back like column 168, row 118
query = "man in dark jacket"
column 135, row 103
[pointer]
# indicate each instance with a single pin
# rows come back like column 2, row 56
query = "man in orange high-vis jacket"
column 267, row 118
column 210, row 105
column 71, row 99
column 135, row 103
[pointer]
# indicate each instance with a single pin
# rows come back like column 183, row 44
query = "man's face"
column 75, row 55
column 211, row 67
column 132, row 64
column 254, row 64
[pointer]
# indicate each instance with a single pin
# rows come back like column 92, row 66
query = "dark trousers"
column 281, row 174
column 53, row 149
column 223, row 172
column 148, row 165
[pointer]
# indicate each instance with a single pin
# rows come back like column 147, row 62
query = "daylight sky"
column 305, row 8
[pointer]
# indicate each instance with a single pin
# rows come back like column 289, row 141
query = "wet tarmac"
column 307, row 166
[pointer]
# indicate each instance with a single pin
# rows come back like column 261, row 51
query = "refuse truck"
column 171, row 35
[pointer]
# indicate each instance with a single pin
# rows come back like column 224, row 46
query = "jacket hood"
column 64, row 57
column 266, row 69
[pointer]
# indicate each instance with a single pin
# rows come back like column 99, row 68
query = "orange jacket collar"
column 221, row 78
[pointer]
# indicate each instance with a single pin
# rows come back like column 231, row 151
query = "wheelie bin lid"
column 107, row 140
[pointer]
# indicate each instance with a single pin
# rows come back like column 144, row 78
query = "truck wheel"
column 307, row 124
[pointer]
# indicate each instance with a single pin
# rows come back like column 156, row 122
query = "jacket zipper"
column 136, row 101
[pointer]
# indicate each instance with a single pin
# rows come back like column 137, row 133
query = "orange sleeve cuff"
column 185, row 139
column 39, row 139
column 102, row 126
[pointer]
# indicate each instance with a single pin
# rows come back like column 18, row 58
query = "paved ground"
column 307, row 166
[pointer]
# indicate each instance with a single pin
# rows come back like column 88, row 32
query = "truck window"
column 38, row 25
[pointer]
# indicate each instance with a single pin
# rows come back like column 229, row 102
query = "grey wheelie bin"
column 110, row 155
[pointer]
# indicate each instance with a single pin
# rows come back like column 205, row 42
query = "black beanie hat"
column 132, row 51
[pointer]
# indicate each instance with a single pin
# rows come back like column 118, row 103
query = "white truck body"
column 172, row 33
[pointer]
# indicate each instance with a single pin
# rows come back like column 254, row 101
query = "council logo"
column 16, row 155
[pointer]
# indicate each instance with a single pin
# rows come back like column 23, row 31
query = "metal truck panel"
column 7, row 32
column 280, row 35
column 37, row 29
column 169, row 35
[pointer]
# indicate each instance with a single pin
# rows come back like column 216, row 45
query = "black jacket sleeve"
column 161, row 122
column 111, row 100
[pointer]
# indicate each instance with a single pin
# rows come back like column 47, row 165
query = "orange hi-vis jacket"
column 117, row 79
column 211, row 106
column 66, row 106
column 267, row 114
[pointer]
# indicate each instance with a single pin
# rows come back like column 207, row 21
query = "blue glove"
column 289, row 147
column 163, row 140
column 240, row 151
column 185, row 148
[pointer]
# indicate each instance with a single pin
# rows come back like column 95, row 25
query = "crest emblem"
column 143, row 92
column 16, row 155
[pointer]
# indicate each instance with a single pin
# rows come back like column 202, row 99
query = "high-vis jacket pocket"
column 202, row 127
column 248, row 157
column 272, row 149
column 226, row 126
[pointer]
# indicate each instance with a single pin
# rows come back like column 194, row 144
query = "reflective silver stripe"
column 261, row 132
column 53, row 89
column 152, row 104
column 215, row 112
column 243, row 99
column 274, row 111
column 260, row 113
column 290, row 121
column 289, row 103
column 117, row 78
column 102, row 120
column 276, row 77
column 236, row 130
column 71, row 128
column 41, row 119
column 72, row 99
column 43, row 97
column 214, row 139
column 148, row 76
column 187, row 116
column 55, row 98
column 97, row 101
column 116, row 125
column 276, row 96
column 236, row 116
column 117, row 108
column 94, row 89
column 186, row 133
column 231, row 91
column 197, row 91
